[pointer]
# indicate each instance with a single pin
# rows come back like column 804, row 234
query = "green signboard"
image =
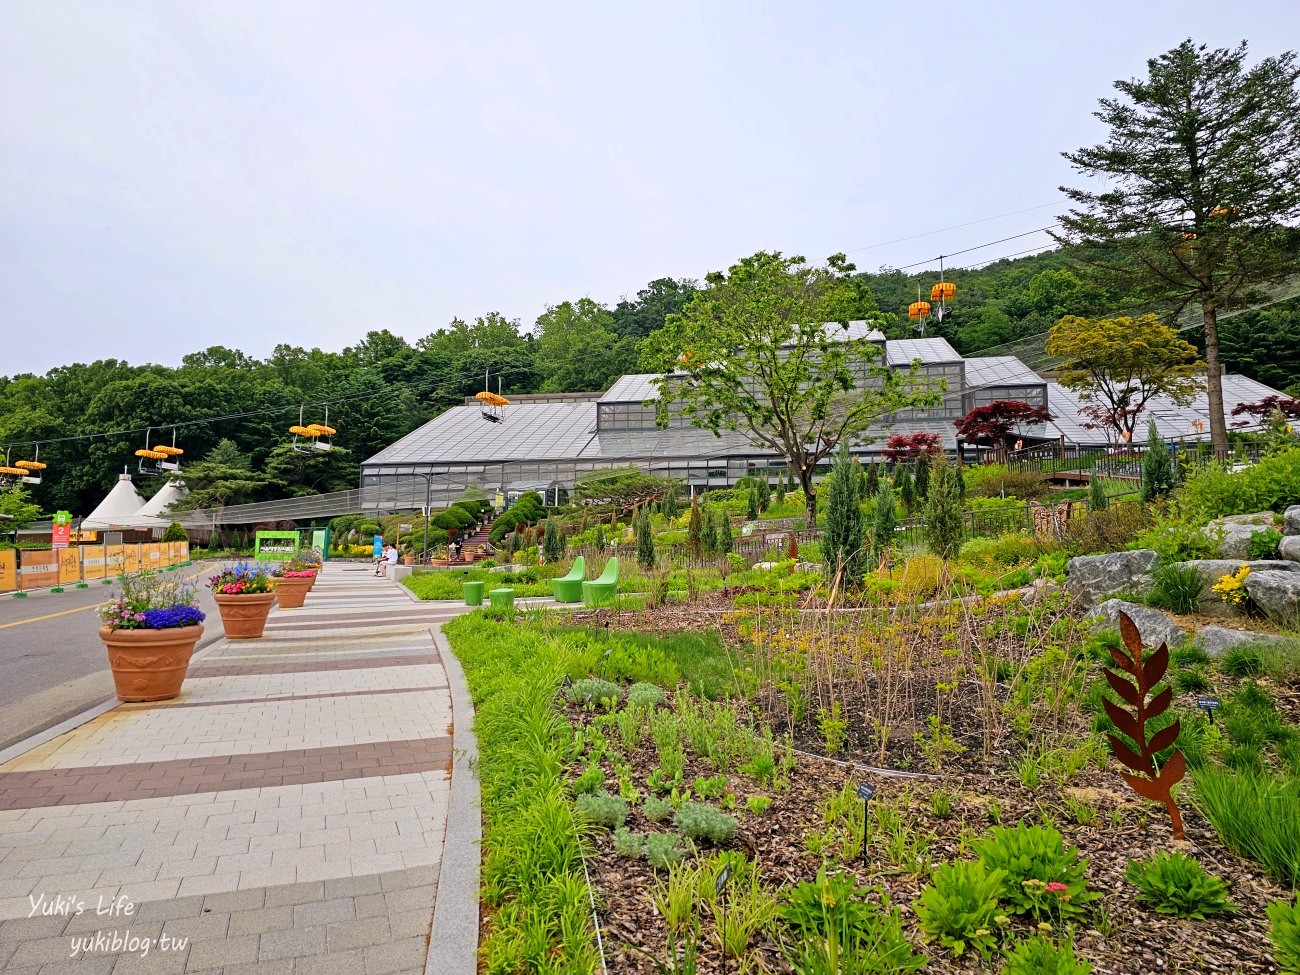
column 276, row 545
column 320, row 540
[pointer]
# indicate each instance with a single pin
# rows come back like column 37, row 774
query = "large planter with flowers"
column 245, row 596
column 150, row 630
column 292, row 586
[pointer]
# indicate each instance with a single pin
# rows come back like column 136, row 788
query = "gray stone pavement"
column 289, row 812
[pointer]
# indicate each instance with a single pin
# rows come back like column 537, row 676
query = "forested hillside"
column 384, row 386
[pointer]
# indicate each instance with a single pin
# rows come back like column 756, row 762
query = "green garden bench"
column 568, row 589
column 604, row 588
column 502, row 599
column 473, row 593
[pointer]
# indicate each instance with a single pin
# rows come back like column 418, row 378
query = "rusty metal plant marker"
column 1145, row 779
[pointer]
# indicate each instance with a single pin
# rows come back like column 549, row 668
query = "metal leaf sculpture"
column 1132, row 680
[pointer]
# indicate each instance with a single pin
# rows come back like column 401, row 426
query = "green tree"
column 223, row 477
column 575, row 345
column 922, row 479
column 670, row 504
column 725, row 538
column 1096, row 494
column 764, row 494
column 1119, row 364
column 19, row 510
column 695, row 532
column 883, row 521
column 645, row 542
column 1157, row 466
column 751, row 497
column 709, row 532
column 906, row 487
column 844, row 539
column 175, row 533
column 944, row 530
column 1202, row 173
column 873, row 479
column 762, row 359
column 552, row 541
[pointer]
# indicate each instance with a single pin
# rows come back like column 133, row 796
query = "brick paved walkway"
column 285, row 814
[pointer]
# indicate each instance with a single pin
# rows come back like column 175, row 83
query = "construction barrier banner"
column 132, row 561
column 8, row 571
column 38, row 570
column 92, row 562
column 152, row 556
column 114, row 561
column 164, row 553
column 69, row 566
column 185, row 551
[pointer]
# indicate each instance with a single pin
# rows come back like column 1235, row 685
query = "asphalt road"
column 52, row 664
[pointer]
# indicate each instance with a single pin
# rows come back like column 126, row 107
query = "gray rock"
column 1211, row 571
column 1291, row 520
column 1262, row 518
column 1091, row 578
column 1236, row 539
column 1289, row 549
column 1218, row 640
column 1153, row 626
column 1277, row 594
column 512, row 567
column 808, row 566
column 765, row 566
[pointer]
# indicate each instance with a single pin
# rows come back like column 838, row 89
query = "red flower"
column 1055, row 887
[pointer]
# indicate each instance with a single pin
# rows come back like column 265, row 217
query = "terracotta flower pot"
column 149, row 665
column 244, row 616
column 290, row 593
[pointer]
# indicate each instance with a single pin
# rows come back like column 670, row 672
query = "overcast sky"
column 179, row 175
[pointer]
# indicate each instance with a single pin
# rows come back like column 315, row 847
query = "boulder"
column 1236, row 538
column 1153, row 626
column 765, row 566
column 808, row 567
column 1289, row 549
column 1091, row 578
column 1218, row 640
column 1291, row 520
column 1211, row 571
column 1264, row 519
column 1277, row 594
column 512, row 567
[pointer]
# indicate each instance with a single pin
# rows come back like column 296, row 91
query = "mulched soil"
column 1130, row 941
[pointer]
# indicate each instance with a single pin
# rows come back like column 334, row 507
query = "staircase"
column 472, row 542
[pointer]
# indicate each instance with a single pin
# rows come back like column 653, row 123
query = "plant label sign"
column 865, row 791
column 724, row 875
column 1207, row 703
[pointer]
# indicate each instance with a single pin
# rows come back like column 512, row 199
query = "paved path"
column 286, row 813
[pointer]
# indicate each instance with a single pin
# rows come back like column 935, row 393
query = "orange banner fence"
column 24, row 569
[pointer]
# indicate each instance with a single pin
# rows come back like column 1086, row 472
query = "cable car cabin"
column 492, row 404
column 943, row 291
column 12, row 475
column 150, row 461
column 33, row 470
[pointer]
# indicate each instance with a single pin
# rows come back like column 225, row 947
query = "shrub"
column 884, row 518
column 1110, row 530
column 662, row 850
column 845, row 536
column 1001, row 482
column 602, row 809
column 957, row 908
column 594, row 689
column 919, row 577
column 700, row 821
column 175, row 533
column 1176, row 588
column 657, row 810
column 1040, row 876
column 1177, row 536
column 1284, row 932
column 944, row 528
column 1174, row 883
column 1270, row 485
column 590, row 781
column 1039, row 956
column 837, row 929
column 1157, row 467
column 1264, row 545
column 1241, row 661
column 629, row 844
column 758, row 804
column 642, row 695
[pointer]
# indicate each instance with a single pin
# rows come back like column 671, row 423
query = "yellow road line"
column 79, row 609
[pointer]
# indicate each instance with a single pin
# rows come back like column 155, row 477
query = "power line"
column 977, row 247
column 959, row 226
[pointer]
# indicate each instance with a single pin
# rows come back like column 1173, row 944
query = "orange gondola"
column 311, row 437
column 918, row 309
column 943, row 291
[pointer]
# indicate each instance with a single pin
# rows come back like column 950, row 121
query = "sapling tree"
column 764, row 494
column 695, row 532
column 883, row 521
column 944, row 530
column 645, row 542
column 709, row 532
column 1157, row 467
column 751, row 512
column 1097, row 500
column 844, row 539
column 724, row 532
column 922, row 477
column 906, row 487
column 552, row 541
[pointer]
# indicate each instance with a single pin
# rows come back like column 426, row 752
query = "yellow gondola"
column 918, row 309
column 492, row 404
column 943, row 291
column 309, row 437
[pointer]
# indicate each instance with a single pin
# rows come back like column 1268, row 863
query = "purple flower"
column 171, row 618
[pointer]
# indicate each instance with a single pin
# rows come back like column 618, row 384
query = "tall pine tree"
column 844, row 539
column 944, row 529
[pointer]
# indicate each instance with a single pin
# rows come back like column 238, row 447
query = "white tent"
column 156, row 507
column 120, row 509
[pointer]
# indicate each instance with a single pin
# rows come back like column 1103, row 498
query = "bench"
column 502, row 600
column 604, row 588
column 568, row 589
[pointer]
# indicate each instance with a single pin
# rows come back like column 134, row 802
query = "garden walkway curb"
column 453, row 942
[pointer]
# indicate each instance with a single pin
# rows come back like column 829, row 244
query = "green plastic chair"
column 568, row 589
column 473, row 593
column 502, row 599
column 604, row 588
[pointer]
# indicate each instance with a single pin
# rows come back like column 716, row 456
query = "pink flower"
column 1055, row 887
